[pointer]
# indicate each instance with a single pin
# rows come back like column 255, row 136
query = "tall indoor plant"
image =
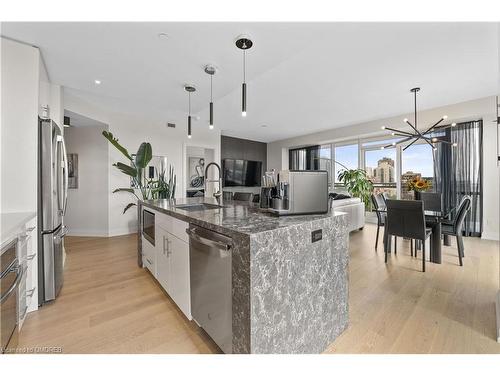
column 149, row 188
column 357, row 184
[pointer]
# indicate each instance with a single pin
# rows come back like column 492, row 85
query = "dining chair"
column 378, row 203
column 454, row 228
column 432, row 201
column 405, row 218
column 238, row 196
column 227, row 195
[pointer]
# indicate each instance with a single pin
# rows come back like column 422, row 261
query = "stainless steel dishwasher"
column 211, row 284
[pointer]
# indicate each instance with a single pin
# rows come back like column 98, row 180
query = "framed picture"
column 72, row 171
column 196, row 166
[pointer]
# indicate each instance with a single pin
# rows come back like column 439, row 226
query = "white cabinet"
column 149, row 255
column 27, row 253
column 163, row 259
column 171, row 259
column 180, row 290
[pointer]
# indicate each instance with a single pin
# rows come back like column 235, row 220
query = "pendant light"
column 244, row 43
column 211, row 70
column 189, row 89
column 414, row 134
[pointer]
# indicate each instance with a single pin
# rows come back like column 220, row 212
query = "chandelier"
column 414, row 134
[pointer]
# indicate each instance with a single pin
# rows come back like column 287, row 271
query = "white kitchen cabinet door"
column 149, row 255
column 180, row 290
column 163, row 259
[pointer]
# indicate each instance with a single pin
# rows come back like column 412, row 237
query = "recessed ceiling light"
column 163, row 36
column 97, row 82
column 263, row 126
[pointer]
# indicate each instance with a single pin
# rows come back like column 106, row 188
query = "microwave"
column 148, row 226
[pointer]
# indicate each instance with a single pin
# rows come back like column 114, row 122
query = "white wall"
column 131, row 130
column 19, row 109
column 88, row 205
column 484, row 108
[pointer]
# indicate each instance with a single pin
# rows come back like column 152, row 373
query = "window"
column 380, row 167
column 346, row 155
column 417, row 161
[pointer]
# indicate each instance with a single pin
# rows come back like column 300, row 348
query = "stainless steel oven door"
column 9, row 283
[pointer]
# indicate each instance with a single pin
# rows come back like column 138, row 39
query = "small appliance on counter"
column 300, row 193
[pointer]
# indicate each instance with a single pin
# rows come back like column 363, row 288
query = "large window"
column 416, row 161
column 380, row 167
column 346, row 155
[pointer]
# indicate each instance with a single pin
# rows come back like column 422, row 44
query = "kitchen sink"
column 198, row 206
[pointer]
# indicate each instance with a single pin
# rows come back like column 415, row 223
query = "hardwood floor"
column 109, row 305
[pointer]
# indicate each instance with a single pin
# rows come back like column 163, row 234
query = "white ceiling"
column 79, row 121
column 302, row 77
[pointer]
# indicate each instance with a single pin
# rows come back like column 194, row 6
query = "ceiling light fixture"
column 244, row 43
column 414, row 135
column 189, row 89
column 211, row 70
column 97, row 82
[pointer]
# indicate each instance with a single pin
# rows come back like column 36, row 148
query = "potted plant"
column 149, row 188
column 357, row 184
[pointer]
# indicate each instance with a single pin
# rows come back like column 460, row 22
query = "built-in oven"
column 148, row 226
column 11, row 275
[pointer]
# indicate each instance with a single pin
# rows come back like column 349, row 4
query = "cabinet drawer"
column 148, row 256
column 163, row 221
column 172, row 225
column 179, row 229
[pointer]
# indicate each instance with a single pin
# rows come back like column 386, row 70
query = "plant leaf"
column 144, row 155
column 128, row 190
column 127, row 169
column 114, row 142
column 128, row 206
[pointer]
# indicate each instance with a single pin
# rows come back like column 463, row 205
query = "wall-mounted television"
column 241, row 172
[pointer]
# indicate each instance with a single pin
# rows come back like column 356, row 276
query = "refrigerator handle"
column 59, row 170
column 66, row 177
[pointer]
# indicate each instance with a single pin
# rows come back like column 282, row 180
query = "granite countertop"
column 11, row 224
column 235, row 216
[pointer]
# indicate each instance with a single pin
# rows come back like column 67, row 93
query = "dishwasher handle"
column 206, row 241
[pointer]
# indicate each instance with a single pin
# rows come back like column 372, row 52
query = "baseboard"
column 121, row 232
column 494, row 236
column 87, row 233
column 498, row 316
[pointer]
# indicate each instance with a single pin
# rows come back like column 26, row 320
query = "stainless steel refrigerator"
column 52, row 201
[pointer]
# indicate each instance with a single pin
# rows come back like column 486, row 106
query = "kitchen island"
column 289, row 274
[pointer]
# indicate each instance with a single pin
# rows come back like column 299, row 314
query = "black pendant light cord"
column 244, row 66
column 415, row 94
column 211, row 88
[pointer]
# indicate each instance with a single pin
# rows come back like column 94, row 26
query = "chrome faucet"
column 217, row 193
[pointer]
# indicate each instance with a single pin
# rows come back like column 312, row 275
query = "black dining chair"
column 432, row 201
column 405, row 218
column 246, row 197
column 227, row 195
column 454, row 228
column 378, row 203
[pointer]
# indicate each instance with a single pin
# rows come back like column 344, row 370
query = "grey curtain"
column 458, row 172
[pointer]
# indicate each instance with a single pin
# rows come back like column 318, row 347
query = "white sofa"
column 355, row 210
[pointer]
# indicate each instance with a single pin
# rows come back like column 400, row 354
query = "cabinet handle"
column 149, row 261
column 30, row 229
column 168, row 248
column 30, row 257
column 30, row 292
column 164, row 249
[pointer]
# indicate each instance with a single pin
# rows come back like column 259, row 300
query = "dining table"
column 433, row 220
